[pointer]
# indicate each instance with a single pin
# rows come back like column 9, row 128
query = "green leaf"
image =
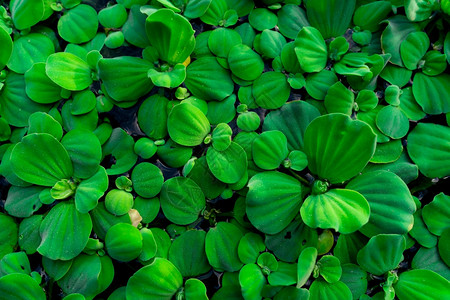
column 271, row 43
column 392, row 122
column 221, row 246
column 221, row 40
column 90, row 190
column 370, row 15
column 29, row 234
column 79, row 24
column 125, row 78
column 432, row 93
column 339, row 99
column 68, row 71
column 28, row 50
column 229, row 165
column 252, row 281
column 152, row 116
column 355, row 278
column 270, row 149
column 187, row 125
column 196, row 8
column 391, row 203
column 421, row 284
column 102, row 220
column 321, row 15
column 40, row 159
column 209, row 184
column 64, row 232
column 399, row 27
column 311, row 49
column 436, row 214
column 273, row 201
column 159, row 280
column 413, row 48
column 26, row 13
column 208, row 80
column 195, row 289
column 271, row 90
column 147, row 180
column 317, row 84
column 39, row 87
column 409, row 105
column 118, row 202
column 321, row 289
column 305, row 266
column 113, row 16
column 430, row 259
column 9, row 235
column 291, row 19
column 396, row 75
column 429, row 148
column 343, row 210
column 175, row 39
column 421, row 233
column 7, row 47
column 249, row 247
column 123, row 242
column 188, row 254
column 245, row 63
column 382, row 253
column 15, row 263
column 329, row 268
column 83, row 102
column 120, row 145
column 20, row 287
column 338, row 147
column 262, row 18
column 285, row 275
column 170, row 79
column 22, row 202
column 291, row 119
column 181, row 200
column 84, row 150
column 215, row 13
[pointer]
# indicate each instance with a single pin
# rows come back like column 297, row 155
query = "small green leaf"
column 68, row 71
column 311, row 50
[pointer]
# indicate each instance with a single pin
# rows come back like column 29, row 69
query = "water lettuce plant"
column 224, row 149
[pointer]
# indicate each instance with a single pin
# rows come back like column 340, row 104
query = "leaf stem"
column 303, row 180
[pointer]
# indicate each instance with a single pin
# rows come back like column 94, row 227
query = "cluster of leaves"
column 296, row 148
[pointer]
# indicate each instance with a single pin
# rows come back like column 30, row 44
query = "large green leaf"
column 395, row 33
column 20, row 287
column 181, row 200
column 147, row 180
column 152, row 116
column 22, row 202
column 320, row 289
column 245, row 63
column 125, row 78
column 421, row 284
column 64, row 232
column 123, row 242
column 26, row 13
column 39, row 87
column 305, row 265
column 390, row 201
column 159, row 280
column 90, row 190
column 207, row 80
column 68, row 71
column 432, row 93
column 271, row 90
column 188, row 254
column 84, row 150
column 382, row 253
column 322, row 15
column 292, row 119
column 28, row 50
column 437, row 213
column 270, row 149
column 429, row 148
column 291, row 19
column 273, row 201
column 343, row 210
column 187, row 125
column 252, row 281
column 79, row 24
column 369, row 16
column 7, row 47
column 229, row 165
column 338, row 147
column 413, row 48
column 40, row 159
column 311, row 49
column 171, row 34
column 221, row 246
